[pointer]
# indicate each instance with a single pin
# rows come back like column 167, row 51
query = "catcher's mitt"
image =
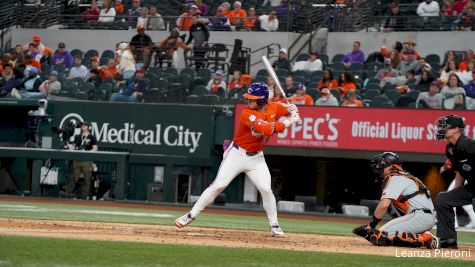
column 362, row 230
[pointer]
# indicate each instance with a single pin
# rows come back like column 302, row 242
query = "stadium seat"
column 235, row 92
column 108, row 54
column 91, row 53
column 336, row 94
column 282, row 72
column 358, row 66
column 192, row 99
column 171, row 71
column 374, row 66
column 87, row 87
column 414, row 94
column 371, row 93
column 69, row 86
column 337, row 58
column 77, row 52
column 323, row 58
column 393, row 95
column 413, row 105
column 156, row 70
column 162, row 84
column 432, row 58
column 262, row 72
column 152, row 95
column 313, row 92
column 204, row 74
column 302, row 57
column 378, row 100
column 337, row 67
column 299, row 79
column 208, row 99
column 200, row 90
column 188, row 71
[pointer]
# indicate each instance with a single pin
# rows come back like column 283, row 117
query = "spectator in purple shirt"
column 62, row 56
column 354, row 56
column 202, row 8
column 470, row 87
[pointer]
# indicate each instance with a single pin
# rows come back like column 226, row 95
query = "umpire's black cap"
column 454, row 121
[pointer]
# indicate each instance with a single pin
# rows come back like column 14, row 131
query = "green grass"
column 70, row 212
column 50, row 252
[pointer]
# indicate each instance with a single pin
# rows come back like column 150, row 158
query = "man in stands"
column 217, row 84
column 431, row 99
column 269, row 23
column 408, row 63
column 141, row 46
column 62, row 56
column 282, row 62
column 185, row 21
column 30, row 87
column 352, row 100
column 134, row 12
column 326, row 99
column 468, row 59
column 251, row 18
column 14, row 82
column 7, row 73
column 300, row 97
column 28, row 61
column 155, row 20
column 238, row 16
column 470, row 87
column 92, row 14
column 134, row 89
column 312, row 64
column 119, row 7
column 18, row 54
column 395, row 21
column 107, row 12
column 109, row 71
column 387, row 71
column 202, row 8
column 199, row 34
column 37, row 41
column 78, row 70
column 290, row 86
column 220, row 22
column 33, row 52
column 94, row 64
column 428, row 8
column 356, row 55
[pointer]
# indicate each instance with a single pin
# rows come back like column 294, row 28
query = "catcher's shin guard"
column 414, row 240
column 379, row 238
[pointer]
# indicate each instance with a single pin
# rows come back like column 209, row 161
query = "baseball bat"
column 274, row 77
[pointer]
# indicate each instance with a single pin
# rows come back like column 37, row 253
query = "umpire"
column 460, row 150
column 86, row 142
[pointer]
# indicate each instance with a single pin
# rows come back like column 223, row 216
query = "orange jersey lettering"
column 254, row 125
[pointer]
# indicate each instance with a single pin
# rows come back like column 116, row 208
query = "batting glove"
column 292, row 108
column 291, row 120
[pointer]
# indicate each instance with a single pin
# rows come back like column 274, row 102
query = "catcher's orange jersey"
column 254, row 125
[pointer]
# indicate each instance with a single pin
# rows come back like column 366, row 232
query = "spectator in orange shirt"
column 28, row 61
column 236, row 81
column 328, row 81
column 251, row 18
column 352, row 100
column 185, row 21
column 238, row 16
column 109, row 71
column 300, row 97
column 345, row 83
column 469, row 59
column 119, row 7
column 226, row 9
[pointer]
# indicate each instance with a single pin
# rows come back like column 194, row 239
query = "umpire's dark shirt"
column 462, row 156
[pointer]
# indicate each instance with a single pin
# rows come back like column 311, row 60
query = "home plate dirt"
column 201, row 236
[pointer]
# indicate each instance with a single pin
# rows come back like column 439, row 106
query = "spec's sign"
column 143, row 128
column 400, row 130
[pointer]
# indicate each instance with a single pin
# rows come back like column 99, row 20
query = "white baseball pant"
column 468, row 208
column 235, row 161
column 413, row 222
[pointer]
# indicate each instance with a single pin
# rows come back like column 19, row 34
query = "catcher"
column 407, row 200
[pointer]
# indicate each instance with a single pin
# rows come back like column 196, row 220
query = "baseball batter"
column 258, row 121
column 408, row 201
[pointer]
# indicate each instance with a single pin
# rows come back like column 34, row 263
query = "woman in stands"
column 345, row 83
column 328, row 81
column 450, row 68
column 395, row 57
column 127, row 61
column 426, row 79
column 450, row 57
column 168, row 47
column 236, row 81
column 453, row 90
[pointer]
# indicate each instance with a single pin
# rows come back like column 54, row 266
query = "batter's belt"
column 250, row 154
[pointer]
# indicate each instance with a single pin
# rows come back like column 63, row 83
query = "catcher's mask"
column 447, row 122
column 383, row 160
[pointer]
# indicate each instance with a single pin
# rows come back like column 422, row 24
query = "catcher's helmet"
column 383, row 160
column 259, row 92
column 447, row 122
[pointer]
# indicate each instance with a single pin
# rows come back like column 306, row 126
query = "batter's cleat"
column 470, row 225
column 276, row 231
column 184, row 220
column 433, row 243
column 448, row 243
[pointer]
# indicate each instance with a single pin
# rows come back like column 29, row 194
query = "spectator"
column 271, row 86
column 30, row 62
column 450, row 56
column 7, row 73
column 300, row 97
column 449, row 69
column 426, row 80
column 202, row 8
column 453, row 93
column 448, row 8
column 226, row 8
column 135, row 11
column 327, row 81
column 237, row 17
column 33, row 52
column 396, row 47
column 37, row 41
column 95, row 65
column 126, row 61
column 94, row 77
column 107, row 12
column 269, row 22
column 47, row 56
column 217, row 85
column 312, row 64
column 78, row 70
column 424, row 66
column 251, row 18
column 428, row 8
column 410, row 47
column 141, row 46
column 399, row 80
column 278, row 97
column 395, row 58
column 18, row 54
column 463, row 66
column 119, row 7
column 352, row 100
column 386, row 71
column 52, row 85
column 30, row 87
column 408, row 63
column 273, row 3
column 285, row 10
column 354, row 56
column 143, row 18
column 326, row 99
column 14, row 82
column 466, row 23
column 219, row 22
column 62, row 56
column 92, row 14
column 134, row 89
column 345, row 83
column 470, row 87
column 459, row 6
column 168, row 47
column 236, row 81
column 155, row 20
column 432, row 98
column 290, row 86
column 109, row 71
column 185, row 21
column 199, row 34
column 282, row 62
column 7, row 59
column 395, row 21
